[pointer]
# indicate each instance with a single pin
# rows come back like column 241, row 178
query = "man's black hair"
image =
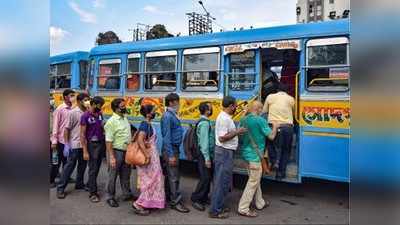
column 68, row 91
column 82, row 96
column 228, row 101
column 203, row 107
column 283, row 87
column 146, row 109
column 115, row 103
column 97, row 100
column 170, row 98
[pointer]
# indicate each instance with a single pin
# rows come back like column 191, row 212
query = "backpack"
column 190, row 141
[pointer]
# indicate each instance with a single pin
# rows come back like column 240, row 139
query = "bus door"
column 241, row 80
column 280, row 63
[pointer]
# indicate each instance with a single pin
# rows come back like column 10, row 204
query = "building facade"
column 321, row 10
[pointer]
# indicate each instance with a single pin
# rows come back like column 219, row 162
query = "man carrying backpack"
column 205, row 143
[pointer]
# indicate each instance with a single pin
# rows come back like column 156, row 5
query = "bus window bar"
column 244, row 73
column 158, row 72
column 111, row 75
column 326, row 66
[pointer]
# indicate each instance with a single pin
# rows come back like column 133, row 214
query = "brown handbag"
column 134, row 154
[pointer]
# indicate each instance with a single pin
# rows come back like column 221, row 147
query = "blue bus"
column 312, row 59
column 68, row 70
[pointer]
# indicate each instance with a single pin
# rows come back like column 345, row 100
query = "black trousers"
column 172, row 193
column 281, row 148
column 75, row 157
column 55, row 169
column 96, row 152
column 202, row 190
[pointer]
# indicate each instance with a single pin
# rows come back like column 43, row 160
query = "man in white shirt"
column 226, row 141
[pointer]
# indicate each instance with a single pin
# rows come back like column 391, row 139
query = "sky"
column 74, row 24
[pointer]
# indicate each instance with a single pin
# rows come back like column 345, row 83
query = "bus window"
column 133, row 77
column 201, row 69
column 242, row 69
column 83, row 71
column 52, row 76
column 109, row 74
column 60, row 75
column 328, row 64
column 160, row 71
column 91, row 72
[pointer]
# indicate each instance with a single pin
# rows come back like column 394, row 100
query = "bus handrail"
column 296, row 96
column 326, row 79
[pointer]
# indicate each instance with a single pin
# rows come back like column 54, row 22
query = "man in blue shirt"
column 172, row 133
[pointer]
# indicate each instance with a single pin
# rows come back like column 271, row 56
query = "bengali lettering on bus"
column 325, row 114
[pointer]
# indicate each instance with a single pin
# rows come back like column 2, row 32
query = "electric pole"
column 139, row 33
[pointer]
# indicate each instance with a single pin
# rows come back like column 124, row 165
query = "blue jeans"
column 223, row 167
column 75, row 156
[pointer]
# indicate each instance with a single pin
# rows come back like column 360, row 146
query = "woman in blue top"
column 151, row 178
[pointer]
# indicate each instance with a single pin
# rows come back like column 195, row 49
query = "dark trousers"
column 171, row 173
column 96, row 152
column 223, row 167
column 202, row 190
column 75, row 156
column 122, row 170
column 281, row 148
column 55, row 169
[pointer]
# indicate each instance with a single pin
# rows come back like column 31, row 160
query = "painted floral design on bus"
column 189, row 107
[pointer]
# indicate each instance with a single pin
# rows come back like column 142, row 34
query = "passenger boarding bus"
column 312, row 59
column 67, row 71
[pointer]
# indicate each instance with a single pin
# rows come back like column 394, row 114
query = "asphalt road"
column 312, row 202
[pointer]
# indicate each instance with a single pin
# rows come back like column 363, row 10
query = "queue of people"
column 81, row 136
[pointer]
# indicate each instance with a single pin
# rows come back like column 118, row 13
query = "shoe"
column 267, row 203
column 71, row 180
column 180, row 208
column 112, row 203
column 60, row 194
column 222, row 215
column 198, row 206
column 53, row 185
column 94, row 198
column 79, row 187
column 226, row 210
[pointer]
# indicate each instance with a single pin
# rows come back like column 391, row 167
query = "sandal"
column 94, row 198
column 139, row 210
column 248, row 214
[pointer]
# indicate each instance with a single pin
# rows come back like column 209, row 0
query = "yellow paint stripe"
column 325, row 134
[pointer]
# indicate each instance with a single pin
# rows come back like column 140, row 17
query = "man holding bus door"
column 280, row 108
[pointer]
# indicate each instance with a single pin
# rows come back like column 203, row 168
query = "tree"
column 108, row 37
column 158, row 31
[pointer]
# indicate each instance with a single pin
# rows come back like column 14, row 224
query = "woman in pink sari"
column 151, row 178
